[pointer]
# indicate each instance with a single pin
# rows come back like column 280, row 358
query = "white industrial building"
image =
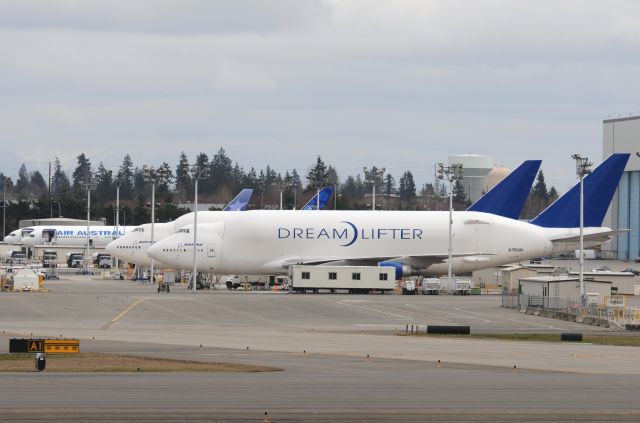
column 564, row 288
column 475, row 168
column 623, row 136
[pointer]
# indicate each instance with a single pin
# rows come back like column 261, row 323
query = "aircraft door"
column 211, row 250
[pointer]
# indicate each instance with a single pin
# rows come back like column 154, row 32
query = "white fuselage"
column 132, row 248
column 73, row 236
column 15, row 237
column 268, row 242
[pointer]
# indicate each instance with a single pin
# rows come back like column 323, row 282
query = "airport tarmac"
column 333, row 380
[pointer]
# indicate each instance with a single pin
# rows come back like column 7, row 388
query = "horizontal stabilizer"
column 595, row 237
column 508, row 197
column 599, row 188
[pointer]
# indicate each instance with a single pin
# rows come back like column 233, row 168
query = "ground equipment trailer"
column 354, row 279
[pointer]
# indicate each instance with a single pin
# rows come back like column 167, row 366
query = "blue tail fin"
column 325, row 194
column 508, row 197
column 241, row 201
column 599, row 188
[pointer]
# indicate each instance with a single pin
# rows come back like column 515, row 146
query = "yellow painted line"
column 119, row 316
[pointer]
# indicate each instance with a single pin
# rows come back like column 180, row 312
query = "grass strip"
column 98, row 362
column 615, row 340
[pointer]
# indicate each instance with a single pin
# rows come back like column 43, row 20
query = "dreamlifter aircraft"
column 133, row 247
column 263, row 242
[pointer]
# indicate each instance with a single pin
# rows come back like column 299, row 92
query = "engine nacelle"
column 402, row 270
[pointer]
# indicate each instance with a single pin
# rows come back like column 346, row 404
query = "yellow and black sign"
column 26, row 345
column 35, row 345
column 62, row 346
column 51, row 346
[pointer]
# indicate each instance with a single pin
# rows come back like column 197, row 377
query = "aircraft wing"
column 422, row 261
column 597, row 237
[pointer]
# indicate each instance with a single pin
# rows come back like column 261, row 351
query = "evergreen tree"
column 184, row 183
column 38, row 185
column 389, row 185
column 82, row 173
column 59, row 181
column 318, row 175
column 332, row 176
column 22, row 184
column 540, row 189
column 125, row 178
column 460, row 199
column 104, row 184
column 375, row 174
column 407, row 188
column 553, row 195
column 205, row 186
column 221, row 169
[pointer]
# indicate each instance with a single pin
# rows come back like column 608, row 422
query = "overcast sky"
column 401, row 84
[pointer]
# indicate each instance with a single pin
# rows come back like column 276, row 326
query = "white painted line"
column 458, row 316
column 377, row 311
column 514, row 320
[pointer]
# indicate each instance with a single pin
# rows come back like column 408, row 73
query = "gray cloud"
column 397, row 84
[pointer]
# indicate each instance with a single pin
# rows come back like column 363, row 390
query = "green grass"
column 618, row 340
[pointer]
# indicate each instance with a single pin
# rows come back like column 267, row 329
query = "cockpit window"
column 184, row 230
column 138, row 230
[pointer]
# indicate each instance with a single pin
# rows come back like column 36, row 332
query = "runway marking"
column 377, row 311
column 425, row 310
column 119, row 316
column 382, row 325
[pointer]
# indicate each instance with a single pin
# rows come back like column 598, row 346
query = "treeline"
column 31, row 197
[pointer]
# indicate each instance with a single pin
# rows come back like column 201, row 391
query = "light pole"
column 88, row 184
column 281, row 187
column 4, row 205
column 198, row 173
column 154, row 175
column 451, row 173
column 373, row 177
column 59, row 207
column 583, row 168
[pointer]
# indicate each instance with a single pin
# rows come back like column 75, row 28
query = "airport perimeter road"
column 316, row 387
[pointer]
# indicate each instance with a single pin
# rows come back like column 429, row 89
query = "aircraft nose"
column 111, row 248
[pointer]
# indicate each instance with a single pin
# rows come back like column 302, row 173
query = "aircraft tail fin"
column 599, row 188
column 508, row 197
column 241, row 201
column 325, row 194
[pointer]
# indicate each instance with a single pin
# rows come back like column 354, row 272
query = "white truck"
column 456, row 286
column 354, row 279
column 430, row 286
column 409, row 287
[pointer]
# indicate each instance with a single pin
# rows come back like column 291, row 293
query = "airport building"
column 476, row 168
column 623, row 136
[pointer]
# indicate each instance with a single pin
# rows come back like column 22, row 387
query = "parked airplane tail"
column 508, row 197
column 599, row 188
column 325, row 194
column 241, row 201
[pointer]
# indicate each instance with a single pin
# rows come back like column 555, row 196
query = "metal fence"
column 611, row 310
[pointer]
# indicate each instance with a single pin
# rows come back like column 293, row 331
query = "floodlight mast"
column 372, row 176
column 89, row 184
column 198, row 173
column 583, row 168
column 154, row 176
column 453, row 172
